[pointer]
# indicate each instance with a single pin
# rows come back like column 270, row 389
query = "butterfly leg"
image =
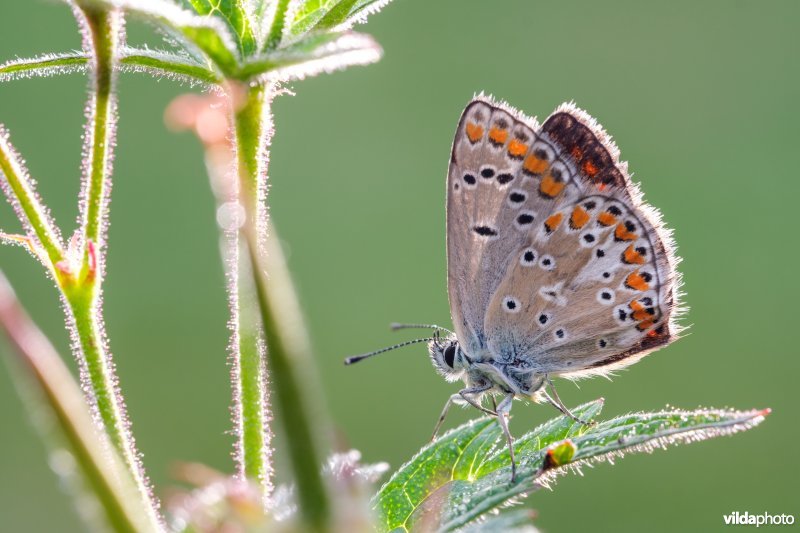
column 556, row 402
column 503, row 410
column 459, row 396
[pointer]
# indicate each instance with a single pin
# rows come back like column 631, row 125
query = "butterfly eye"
column 450, row 355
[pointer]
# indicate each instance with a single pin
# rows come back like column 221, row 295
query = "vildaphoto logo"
column 764, row 519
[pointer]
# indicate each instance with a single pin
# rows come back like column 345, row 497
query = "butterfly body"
column 483, row 371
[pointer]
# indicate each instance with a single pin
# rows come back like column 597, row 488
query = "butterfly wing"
column 554, row 261
column 495, row 195
column 607, row 296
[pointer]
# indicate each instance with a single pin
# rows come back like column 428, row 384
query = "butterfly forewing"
column 553, row 260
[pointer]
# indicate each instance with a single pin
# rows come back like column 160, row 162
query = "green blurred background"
column 700, row 96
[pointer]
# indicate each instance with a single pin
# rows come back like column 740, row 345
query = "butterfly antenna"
column 356, row 358
column 396, row 326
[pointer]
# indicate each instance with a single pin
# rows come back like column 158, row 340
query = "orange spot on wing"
column 601, row 186
column 632, row 257
column 623, row 234
column 576, row 152
column 474, row 131
column 641, row 326
column 550, row 187
column 590, row 169
column 640, row 315
column 534, row 165
column 579, row 218
column 636, row 306
column 553, row 221
column 517, row 148
column 498, row 136
column 606, row 219
column 636, row 282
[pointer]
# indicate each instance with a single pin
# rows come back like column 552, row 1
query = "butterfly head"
column 448, row 357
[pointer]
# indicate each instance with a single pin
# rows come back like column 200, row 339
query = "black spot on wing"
column 485, row 231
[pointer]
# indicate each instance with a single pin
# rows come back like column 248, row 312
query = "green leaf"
column 467, row 473
column 44, row 65
column 235, row 15
column 209, row 34
column 273, row 22
column 311, row 12
column 517, row 521
column 157, row 63
column 337, row 14
column 325, row 52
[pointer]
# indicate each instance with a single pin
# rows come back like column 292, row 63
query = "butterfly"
column 556, row 265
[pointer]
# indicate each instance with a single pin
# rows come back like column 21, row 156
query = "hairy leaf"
column 235, row 15
column 336, row 14
column 157, row 63
column 318, row 53
column 517, row 521
column 209, row 34
column 44, row 65
column 466, row 473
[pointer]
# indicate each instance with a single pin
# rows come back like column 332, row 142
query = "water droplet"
column 230, row 216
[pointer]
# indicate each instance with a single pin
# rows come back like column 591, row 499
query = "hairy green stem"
column 289, row 361
column 22, row 193
column 287, row 346
column 104, row 38
column 82, row 292
column 251, row 388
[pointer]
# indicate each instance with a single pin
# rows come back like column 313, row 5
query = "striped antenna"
column 356, row 358
column 396, row 326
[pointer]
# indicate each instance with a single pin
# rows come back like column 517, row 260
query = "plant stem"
column 281, row 320
column 104, row 36
column 102, row 470
column 288, row 356
column 20, row 191
column 250, row 367
column 103, row 33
